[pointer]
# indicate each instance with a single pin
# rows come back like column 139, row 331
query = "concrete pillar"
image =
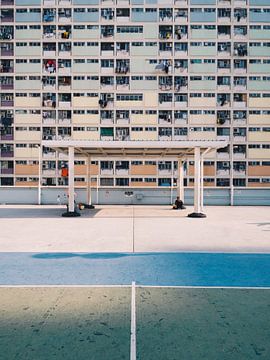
column 201, row 184
column 197, row 185
column 71, row 178
column 89, row 192
column 180, row 188
column 39, row 173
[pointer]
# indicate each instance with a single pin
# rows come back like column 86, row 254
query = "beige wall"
column 27, row 135
column 85, row 119
column 137, row 119
column 259, row 119
column 28, row 119
column 202, row 119
column 85, row 101
column 85, row 135
column 27, row 102
column 202, row 102
column 259, row 154
column 259, row 102
column 259, row 136
column 26, row 153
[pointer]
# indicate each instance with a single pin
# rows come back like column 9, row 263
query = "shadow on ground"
column 14, row 213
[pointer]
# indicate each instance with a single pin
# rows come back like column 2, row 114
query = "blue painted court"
column 155, row 269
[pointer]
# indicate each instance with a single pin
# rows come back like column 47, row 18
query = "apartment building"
column 135, row 70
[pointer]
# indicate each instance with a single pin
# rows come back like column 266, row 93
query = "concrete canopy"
column 139, row 149
column 168, row 149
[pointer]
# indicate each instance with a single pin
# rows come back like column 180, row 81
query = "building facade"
column 135, row 70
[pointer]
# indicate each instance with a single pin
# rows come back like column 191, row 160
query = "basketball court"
column 154, row 295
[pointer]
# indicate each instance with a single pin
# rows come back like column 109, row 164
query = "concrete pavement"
column 142, row 228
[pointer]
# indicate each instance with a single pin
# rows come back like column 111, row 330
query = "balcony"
column 64, row 2
column 49, row 102
column 6, row 102
column 7, row 15
column 64, row 15
column 49, row 15
column 104, row 171
column 49, row 2
column 6, row 153
column 6, row 66
column 181, row 16
column 7, row 137
column 6, row 171
column 7, row 49
column 7, row 2
column 48, row 83
column 6, row 83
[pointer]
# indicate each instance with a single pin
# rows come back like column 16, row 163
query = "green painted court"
column 171, row 323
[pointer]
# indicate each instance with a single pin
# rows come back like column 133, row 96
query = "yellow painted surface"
column 259, row 102
column 138, row 119
column 151, row 99
column 202, row 119
column 85, row 119
column 26, row 169
column 143, row 170
column 130, row 104
column 143, row 135
column 85, row 101
column 259, row 154
column 259, row 136
column 28, row 119
column 26, row 152
column 27, row 135
column 27, row 102
column 259, row 119
column 202, row 135
column 202, row 102
column 259, row 170
column 85, row 135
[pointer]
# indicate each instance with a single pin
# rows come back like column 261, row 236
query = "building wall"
column 139, row 70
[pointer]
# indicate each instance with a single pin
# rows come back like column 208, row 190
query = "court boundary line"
column 133, row 355
column 138, row 286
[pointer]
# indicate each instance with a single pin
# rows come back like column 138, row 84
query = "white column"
column 197, row 183
column 180, row 188
column 89, row 192
column 71, row 178
column 97, row 187
column 39, row 172
column 201, row 176
column 172, row 188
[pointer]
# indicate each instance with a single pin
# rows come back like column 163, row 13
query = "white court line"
column 140, row 286
column 205, row 287
column 65, row 286
column 133, row 323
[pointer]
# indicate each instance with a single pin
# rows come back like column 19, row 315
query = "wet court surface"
column 172, row 323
